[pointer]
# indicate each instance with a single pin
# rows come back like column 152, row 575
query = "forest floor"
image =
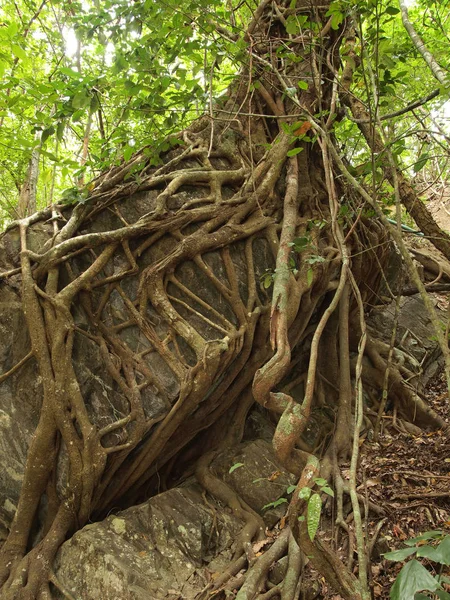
column 408, row 476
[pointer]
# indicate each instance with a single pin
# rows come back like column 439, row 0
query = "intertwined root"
column 153, row 306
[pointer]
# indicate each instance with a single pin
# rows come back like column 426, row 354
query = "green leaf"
column 12, row 28
column 70, row 72
column 439, row 554
column 80, row 99
column 77, row 115
column 400, row 554
column 18, row 51
column 49, row 155
column 309, row 276
column 428, row 535
column 291, row 489
column 312, row 260
column 320, row 481
column 128, row 152
column 304, row 493
column 235, row 466
column 313, row 515
column 419, row 165
column 294, row 152
column 71, row 195
column 392, row 10
column 300, row 243
column 443, row 595
column 47, row 133
column 303, row 85
column 336, row 20
column 327, row 490
column 411, row 579
column 267, row 280
column 275, row 504
column 292, row 26
column 94, row 104
column 60, row 130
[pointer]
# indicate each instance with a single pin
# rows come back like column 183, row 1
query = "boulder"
column 171, row 545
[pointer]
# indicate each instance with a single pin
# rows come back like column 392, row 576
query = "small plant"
column 235, row 466
column 267, row 278
column 280, row 500
column 74, row 195
column 299, row 245
column 314, row 506
column 414, row 578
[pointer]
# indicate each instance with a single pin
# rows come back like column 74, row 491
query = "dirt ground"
column 407, row 476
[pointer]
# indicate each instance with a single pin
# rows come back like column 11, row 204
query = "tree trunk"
column 27, row 197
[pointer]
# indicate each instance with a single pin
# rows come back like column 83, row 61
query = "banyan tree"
column 143, row 322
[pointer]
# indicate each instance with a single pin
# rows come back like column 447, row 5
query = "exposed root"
column 254, row 526
column 292, row 579
column 258, row 572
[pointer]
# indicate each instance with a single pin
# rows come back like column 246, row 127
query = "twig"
column 16, row 367
column 422, row 495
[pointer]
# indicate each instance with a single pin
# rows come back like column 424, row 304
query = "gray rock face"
column 416, row 344
column 160, row 549
column 148, row 551
column 19, row 403
column 105, row 400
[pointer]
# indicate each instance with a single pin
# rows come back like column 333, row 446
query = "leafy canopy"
column 88, row 83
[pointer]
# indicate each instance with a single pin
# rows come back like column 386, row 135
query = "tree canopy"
column 86, row 85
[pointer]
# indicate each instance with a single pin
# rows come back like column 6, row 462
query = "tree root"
column 254, row 525
column 189, row 283
column 296, row 562
column 258, row 572
column 414, row 408
column 223, row 578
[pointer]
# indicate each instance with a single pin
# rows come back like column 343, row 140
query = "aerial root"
column 292, row 579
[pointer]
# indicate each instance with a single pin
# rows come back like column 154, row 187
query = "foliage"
column 313, row 503
column 434, row 547
column 89, row 84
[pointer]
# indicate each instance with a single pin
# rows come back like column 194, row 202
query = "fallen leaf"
column 306, row 126
column 377, row 591
column 372, row 482
column 258, row 545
